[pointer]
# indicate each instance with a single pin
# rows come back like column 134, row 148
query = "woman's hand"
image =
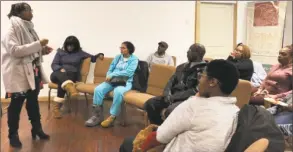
column 44, row 42
column 108, row 79
column 261, row 92
column 47, row 50
column 271, row 96
column 62, row 70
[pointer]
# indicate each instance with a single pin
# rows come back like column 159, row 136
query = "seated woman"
column 66, row 66
column 284, row 115
column 201, row 123
column 278, row 83
column 259, row 74
column 241, row 58
column 122, row 67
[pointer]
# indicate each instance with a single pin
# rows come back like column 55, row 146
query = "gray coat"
column 18, row 76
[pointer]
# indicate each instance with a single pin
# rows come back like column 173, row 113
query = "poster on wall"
column 265, row 25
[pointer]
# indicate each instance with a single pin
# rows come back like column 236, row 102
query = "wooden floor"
column 69, row 133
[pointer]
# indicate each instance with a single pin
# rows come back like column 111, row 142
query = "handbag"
column 119, row 81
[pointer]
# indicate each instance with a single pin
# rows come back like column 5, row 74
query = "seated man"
column 160, row 56
column 202, row 123
column 180, row 87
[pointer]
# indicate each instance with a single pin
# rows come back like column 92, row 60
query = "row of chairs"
column 158, row 78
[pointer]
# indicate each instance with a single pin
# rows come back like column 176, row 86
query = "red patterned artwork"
column 266, row 14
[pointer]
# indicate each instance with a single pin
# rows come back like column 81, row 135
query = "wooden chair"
column 84, row 71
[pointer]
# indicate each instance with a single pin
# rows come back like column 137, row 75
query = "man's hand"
column 168, row 99
column 62, row 70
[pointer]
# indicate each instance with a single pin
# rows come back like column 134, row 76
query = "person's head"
column 22, row 10
column 241, row 51
column 196, row 52
column 100, row 56
column 219, row 78
column 286, row 55
column 163, row 46
column 127, row 48
column 71, row 44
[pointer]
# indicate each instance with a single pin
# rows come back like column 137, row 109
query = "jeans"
column 104, row 88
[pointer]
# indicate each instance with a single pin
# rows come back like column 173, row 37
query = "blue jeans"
column 284, row 121
column 104, row 88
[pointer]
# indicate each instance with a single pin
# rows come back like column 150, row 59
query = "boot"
column 69, row 87
column 97, row 116
column 58, row 102
column 109, row 122
column 14, row 141
column 66, row 107
column 38, row 131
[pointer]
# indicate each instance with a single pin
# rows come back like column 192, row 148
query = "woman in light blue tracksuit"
column 124, row 64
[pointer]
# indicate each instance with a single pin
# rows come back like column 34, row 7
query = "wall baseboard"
column 45, row 99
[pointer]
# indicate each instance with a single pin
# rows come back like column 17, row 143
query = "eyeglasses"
column 122, row 48
column 28, row 10
column 200, row 75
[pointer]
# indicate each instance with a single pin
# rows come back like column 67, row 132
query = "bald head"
column 196, row 52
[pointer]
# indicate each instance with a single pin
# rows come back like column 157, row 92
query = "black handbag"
column 119, row 81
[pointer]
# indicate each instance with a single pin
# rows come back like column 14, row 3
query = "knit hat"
column 163, row 44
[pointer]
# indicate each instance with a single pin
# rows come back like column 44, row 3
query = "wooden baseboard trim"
column 41, row 99
column 45, row 99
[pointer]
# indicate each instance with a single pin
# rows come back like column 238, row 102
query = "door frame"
column 197, row 19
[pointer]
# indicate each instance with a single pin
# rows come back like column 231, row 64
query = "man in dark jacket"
column 180, row 86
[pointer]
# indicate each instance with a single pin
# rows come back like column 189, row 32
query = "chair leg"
column 123, row 114
column 146, row 119
column 86, row 99
column 49, row 99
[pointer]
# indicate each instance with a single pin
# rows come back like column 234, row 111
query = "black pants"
column 154, row 107
column 32, row 107
column 59, row 77
column 127, row 145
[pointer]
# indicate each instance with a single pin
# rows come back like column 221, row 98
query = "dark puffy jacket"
column 254, row 123
column 184, row 81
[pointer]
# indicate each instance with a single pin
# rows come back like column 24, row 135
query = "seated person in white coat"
column 205, row 122
column 160, row 56
column 259, row 74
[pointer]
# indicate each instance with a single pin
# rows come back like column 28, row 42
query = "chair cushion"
column 136, row 99
column 86, row 88
column 52, row 85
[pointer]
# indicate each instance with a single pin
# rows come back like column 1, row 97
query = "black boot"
column 38, row 131
column 14, row 141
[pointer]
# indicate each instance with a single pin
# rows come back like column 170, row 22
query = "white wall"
column 102, row 26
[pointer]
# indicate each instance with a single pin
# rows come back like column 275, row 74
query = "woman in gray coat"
column 22, row 71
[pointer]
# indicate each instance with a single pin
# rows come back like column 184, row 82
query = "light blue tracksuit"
column 118, row 67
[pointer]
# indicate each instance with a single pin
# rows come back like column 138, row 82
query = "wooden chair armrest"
column 258, row 146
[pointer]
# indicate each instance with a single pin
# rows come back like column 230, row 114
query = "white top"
column 259, row 74
column 200, row 124
column 154, row 58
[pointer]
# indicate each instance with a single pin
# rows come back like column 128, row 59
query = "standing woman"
column 22, row 71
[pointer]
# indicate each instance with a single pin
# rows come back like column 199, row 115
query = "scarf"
column 25, row 34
